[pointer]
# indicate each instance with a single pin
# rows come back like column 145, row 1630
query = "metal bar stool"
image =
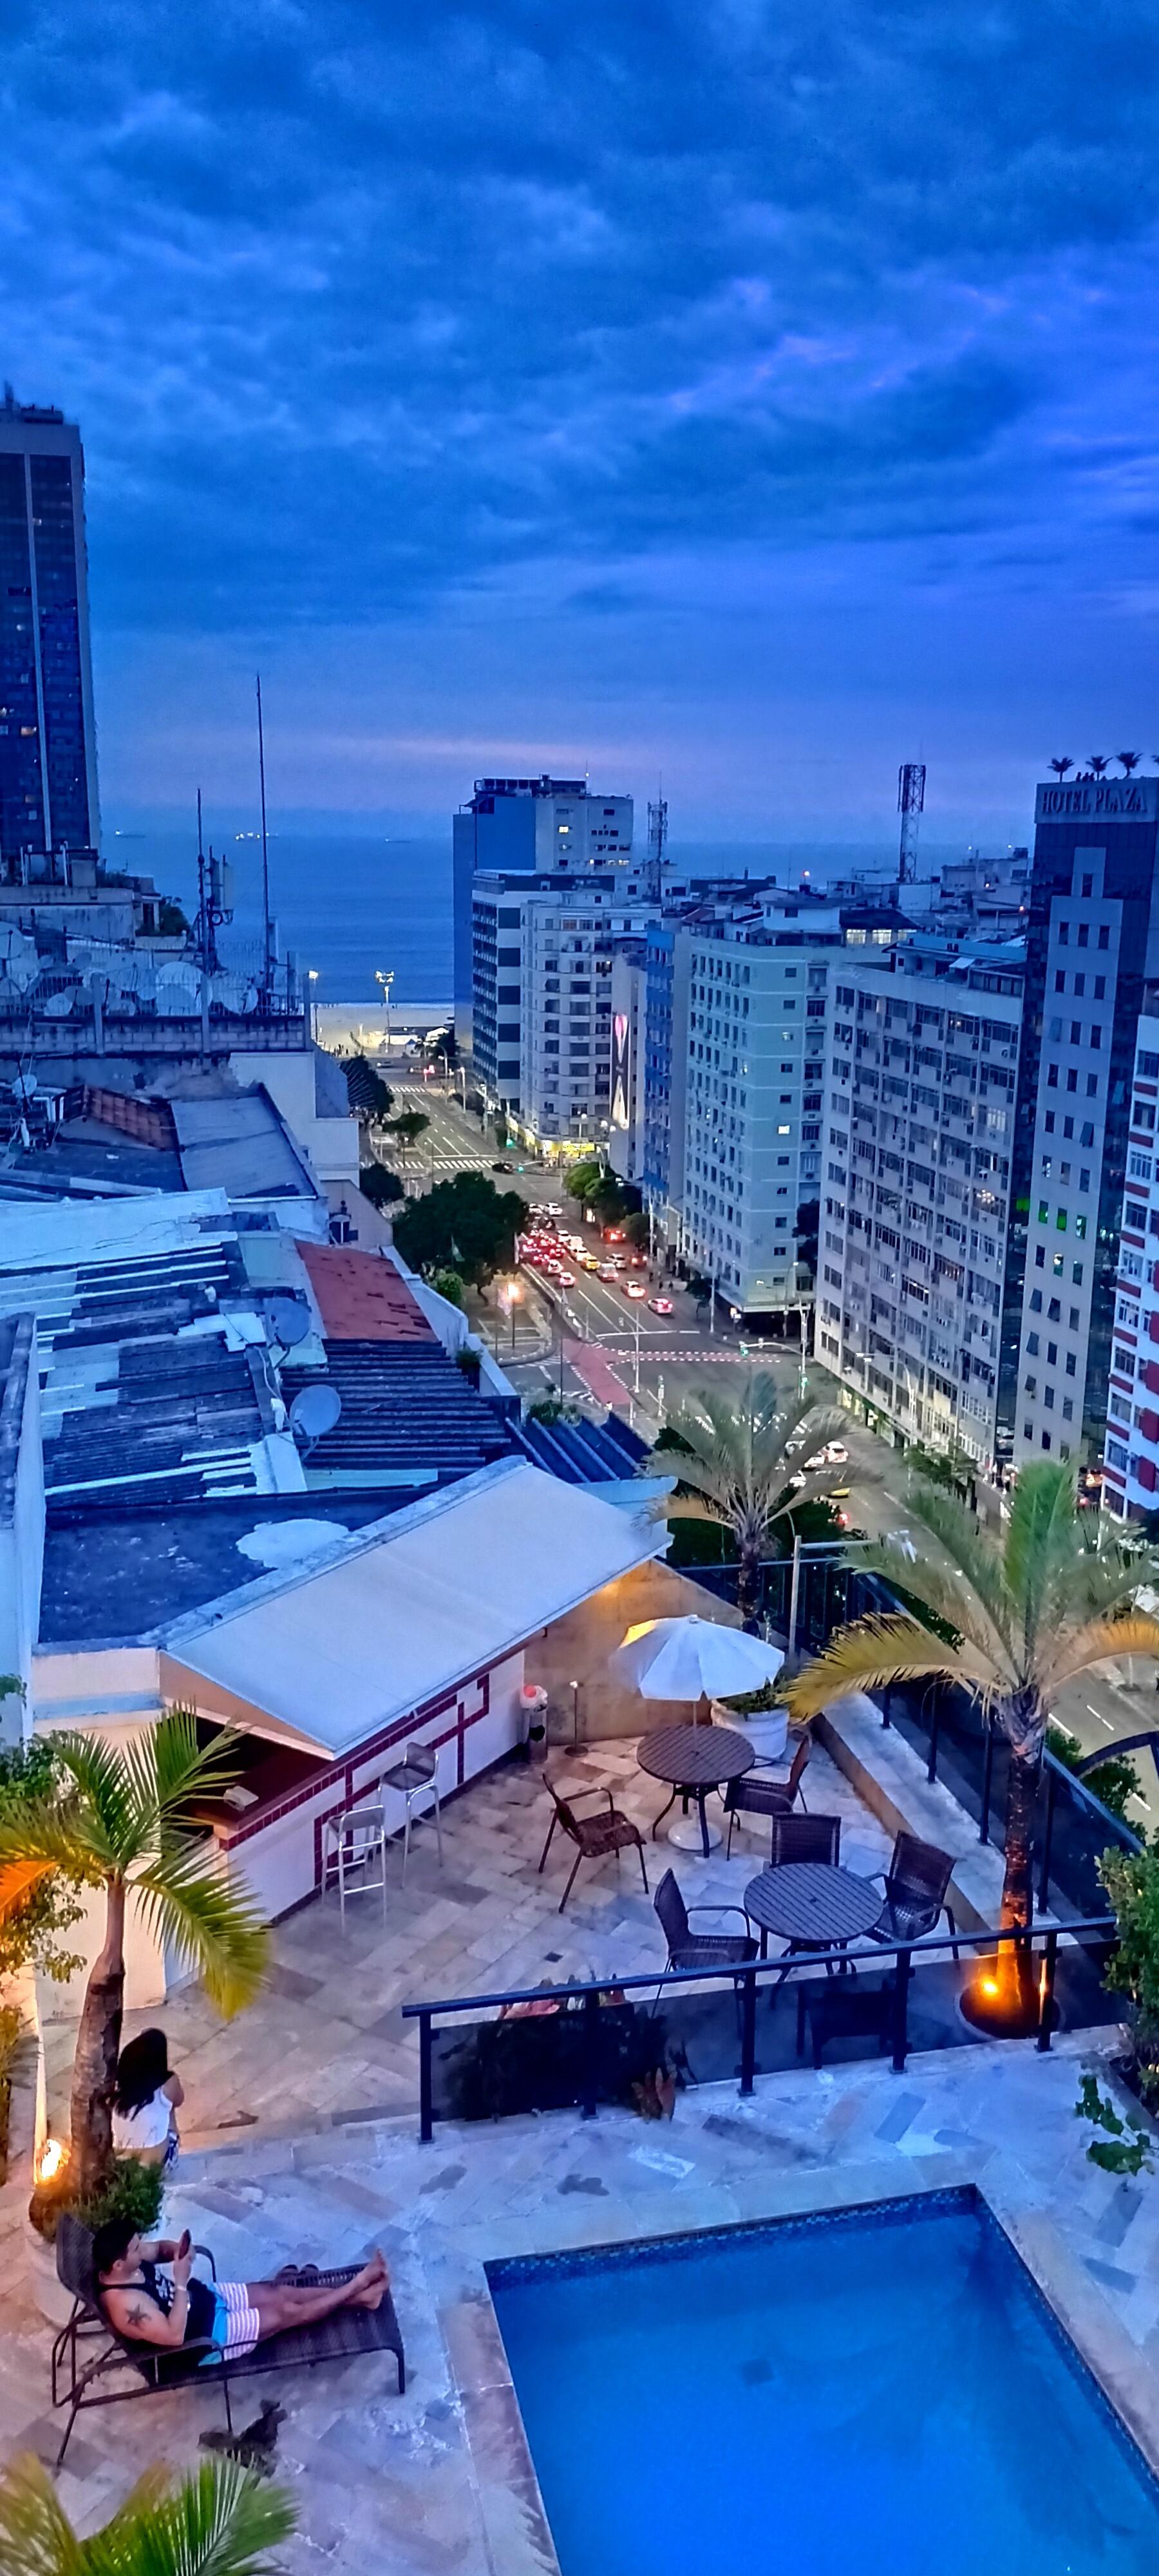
column 414, row 1777
column 351, row 1841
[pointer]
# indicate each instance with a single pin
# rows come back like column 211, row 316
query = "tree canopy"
column 465, row 1224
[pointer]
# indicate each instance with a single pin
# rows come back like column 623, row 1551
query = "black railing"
column 585, row 2043
column 945, row 1724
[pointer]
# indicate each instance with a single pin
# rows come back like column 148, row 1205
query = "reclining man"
column 171, row 2308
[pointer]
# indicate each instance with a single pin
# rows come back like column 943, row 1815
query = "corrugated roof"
column 405, row 1405
column 241, row 1144
column 582, row 1453
column 362, row 1298
column 410, row 1608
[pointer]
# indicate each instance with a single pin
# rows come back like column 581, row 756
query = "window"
column 1100, row 988
column 1052, row 1077
column 1052, row 1354
column 1086, row 1133
column 1096, row 1033
column 1030, row 1385
column 1046, row 1440
column 1084, row 1177
column 1076, row 1272
column 1072, row 1080
column 1070, row 1363
column 1028, row 1430
column 1048, row 1122
column 1048, row 1398
column 1043, row 1211
column 1060, row 981
column 1032, row 1346
column 1092, row 1086
column 1080, row 1226
column 1068, row 1127
column 1076, row 1032
column 1036, row 1301
column 1039, row 1257
column 1053, row 1311
column 1104, row 934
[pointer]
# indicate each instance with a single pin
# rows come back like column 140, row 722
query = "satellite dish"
column 314, row 1412
column 24, row 1086
column 56, row 1006
column 288, row 1319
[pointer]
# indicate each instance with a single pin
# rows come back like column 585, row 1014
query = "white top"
column 146, row 2127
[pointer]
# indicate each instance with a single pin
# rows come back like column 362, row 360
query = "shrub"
column 1131, row 1880
column 448, row 1284
column 31, row 1930
column 130, row 2190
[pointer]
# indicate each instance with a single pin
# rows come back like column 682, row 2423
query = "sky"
column 746, row 397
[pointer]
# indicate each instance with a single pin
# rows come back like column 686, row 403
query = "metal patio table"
column 811, row 1905
column 694, row 1759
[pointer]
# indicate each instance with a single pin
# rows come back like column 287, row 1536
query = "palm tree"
column 222, row 2521
column 744, row 1454
column 1011, row 1618
column 1060, row 767
column 1128, row 761
column 1099, row 763
column 408, row 1127
column 123, row 1822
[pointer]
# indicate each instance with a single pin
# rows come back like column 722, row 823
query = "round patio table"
column 811, row 1905
column 695, row 1759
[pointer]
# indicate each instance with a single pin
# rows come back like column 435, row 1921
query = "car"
column 587, row 1261
column 618, row 1262
column 605, row 1272
column 634, row 1288
column 566, row 1278
column 636, row 1261
column 502, row 1167
column 660, row 1305
column 613, row 1234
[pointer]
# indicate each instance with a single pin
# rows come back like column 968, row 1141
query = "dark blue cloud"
column 357, row 302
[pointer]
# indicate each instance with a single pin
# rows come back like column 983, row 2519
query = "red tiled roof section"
column 362, row 1298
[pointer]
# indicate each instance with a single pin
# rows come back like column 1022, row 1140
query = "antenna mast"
column 911, row 797
column 267, row 959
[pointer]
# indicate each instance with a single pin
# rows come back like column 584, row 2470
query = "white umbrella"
column 693, row 1659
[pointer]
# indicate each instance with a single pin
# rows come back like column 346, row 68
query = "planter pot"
column 47, row 2293
column 766, row 1731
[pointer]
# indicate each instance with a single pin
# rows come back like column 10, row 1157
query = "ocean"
column 346, row 904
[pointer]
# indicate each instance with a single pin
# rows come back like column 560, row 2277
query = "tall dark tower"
column 1092, row 965
column 911, row 797
column 48, row 770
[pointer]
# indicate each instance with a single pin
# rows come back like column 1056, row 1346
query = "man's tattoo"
column 136, row 2314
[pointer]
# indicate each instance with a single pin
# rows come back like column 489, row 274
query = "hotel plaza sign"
column 1097, row 799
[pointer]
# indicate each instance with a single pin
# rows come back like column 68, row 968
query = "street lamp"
column 312, row 978
column 386, row 979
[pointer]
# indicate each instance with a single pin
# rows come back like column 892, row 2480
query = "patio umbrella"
column 694, row 1659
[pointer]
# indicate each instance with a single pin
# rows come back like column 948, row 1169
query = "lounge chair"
column 915, row 1892
column 593, row 1836
column 89, row 2350
column 761, row 1793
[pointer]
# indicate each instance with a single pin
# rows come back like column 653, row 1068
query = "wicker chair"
column 689, row 1949
column 593, row 1836
column 815, row 1838
column 915, row 1892
column 759, row 1793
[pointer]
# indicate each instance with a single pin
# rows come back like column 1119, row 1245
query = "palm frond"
column 688, row 1507
column 976, row 1558
column 870, row 1655
column 1130, row 1632
column 17, row 1877
column 103, row 1785
column 55, row 1834
column 36, row 2536
column 222, row 2521
column 191, row 1908
column 1041, row 1513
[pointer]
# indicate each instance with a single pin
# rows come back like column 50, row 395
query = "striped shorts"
column 236, row 2326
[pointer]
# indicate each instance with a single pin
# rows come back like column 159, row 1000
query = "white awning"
column 398, row 1613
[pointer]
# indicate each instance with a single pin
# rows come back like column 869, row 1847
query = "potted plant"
column 763, row 1718
column 130, row 2189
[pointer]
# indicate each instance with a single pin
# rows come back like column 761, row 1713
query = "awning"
column 396, row 1614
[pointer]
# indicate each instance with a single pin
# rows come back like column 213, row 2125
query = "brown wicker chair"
column 760, row 1793
column 594, row 1836
column 806, row 1838
column 915, row 1892
column 689, row 1949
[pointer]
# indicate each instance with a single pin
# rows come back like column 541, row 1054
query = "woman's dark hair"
column 110, row 2243
column 142, row 2068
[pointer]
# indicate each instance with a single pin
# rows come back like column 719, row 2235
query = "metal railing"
column 585, row 2001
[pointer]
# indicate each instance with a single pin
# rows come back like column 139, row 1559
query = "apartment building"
column 922, row 1049
column 542, row 994
column 1131, row 1446
column 629, row 1059
column 527, row 826
column 1092, row 950
column 754, row 1092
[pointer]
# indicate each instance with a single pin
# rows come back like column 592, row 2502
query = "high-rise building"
column 629, row 1059
column 753, row 1097
column 48, row 767
column 542, row 994
column 915, row 1192
column 1092, row 953
column 1131, row 1447
column 526, row 826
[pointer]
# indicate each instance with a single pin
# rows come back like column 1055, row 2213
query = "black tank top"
column 199, row 2316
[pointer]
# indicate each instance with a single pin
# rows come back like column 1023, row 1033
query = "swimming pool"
column 882, row 2392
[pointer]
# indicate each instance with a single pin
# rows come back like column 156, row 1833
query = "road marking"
column 1103, row 1721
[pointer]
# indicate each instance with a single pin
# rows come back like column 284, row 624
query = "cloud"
column 359, row 305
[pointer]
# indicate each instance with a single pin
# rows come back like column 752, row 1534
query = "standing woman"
column 146, row 2101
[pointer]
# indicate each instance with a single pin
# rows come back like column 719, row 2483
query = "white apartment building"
column 527, row 826
column 915, row 1193
column 629, row 1051
column 542, row 994
column 1131, row 1447
column 754, row 1092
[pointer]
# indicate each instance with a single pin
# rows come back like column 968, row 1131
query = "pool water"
column 883, row 2393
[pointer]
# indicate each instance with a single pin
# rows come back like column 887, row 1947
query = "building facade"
column 915, row 1193
column 754, row 1093
column 523, row 826
column 542, row 995
column 629, row 1069
column 1131, row 1446
column 1092, row 945
column 48, row 769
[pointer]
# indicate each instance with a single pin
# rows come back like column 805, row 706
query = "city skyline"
column 735, row 400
